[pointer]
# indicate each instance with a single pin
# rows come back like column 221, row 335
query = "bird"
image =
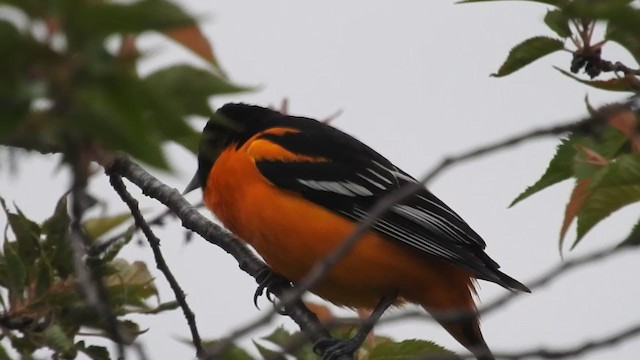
column 294, row 188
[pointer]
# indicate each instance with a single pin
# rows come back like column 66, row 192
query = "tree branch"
column 570, row 352
column 161, row 264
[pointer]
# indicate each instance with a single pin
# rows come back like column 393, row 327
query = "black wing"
column 356, row 177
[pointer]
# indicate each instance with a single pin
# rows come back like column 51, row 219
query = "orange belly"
column 292, row 234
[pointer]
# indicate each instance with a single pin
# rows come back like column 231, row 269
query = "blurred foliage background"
column 70, row 85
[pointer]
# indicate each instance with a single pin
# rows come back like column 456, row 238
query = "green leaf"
column 97, row 227
column 114, row 248
column 620, row 13
column 527, row 52
column 44, row 277
column 233, row 352
column 623, row 170
column 93, row 352
column 27, row 234
column 132, row 284
column 115, row 112
column 633, row 239
column 190, row 87
column 56, row 244
column 132, row 329
column 558, row 21
column 607, row 145
column 16, row 271
column 602, row 203
column 269, row 354
column 559, row 169
column 57, row 339
column 105, row 18
column 408, row 349
column 624, row 84
column 279, row 336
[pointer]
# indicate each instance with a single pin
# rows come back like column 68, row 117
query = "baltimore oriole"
column 294, row 188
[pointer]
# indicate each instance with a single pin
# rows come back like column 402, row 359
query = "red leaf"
column 592, row 157
column 193, row 39
column 627, row 122
column 579, row 196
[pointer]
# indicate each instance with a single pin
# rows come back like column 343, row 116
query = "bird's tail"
column 466, row 330
column 454, row 308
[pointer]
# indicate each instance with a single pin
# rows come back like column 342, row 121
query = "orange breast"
column 292, row 234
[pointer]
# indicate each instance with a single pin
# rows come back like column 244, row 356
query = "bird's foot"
column 265, row 279
column 332, row 348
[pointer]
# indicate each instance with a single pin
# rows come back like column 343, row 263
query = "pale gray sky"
column 413, row 80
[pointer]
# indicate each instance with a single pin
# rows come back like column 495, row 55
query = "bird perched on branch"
column 294, row 188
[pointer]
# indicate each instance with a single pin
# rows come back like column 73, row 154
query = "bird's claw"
column 265, row 279
column 332, row 348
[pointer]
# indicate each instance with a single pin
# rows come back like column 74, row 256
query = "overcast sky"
column 412, row 79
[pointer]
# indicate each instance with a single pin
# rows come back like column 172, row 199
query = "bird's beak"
column 193, row 184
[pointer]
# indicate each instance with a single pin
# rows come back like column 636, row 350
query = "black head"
column 231, row 125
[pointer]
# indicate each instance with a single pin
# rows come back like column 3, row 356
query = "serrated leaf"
column 579, row 196
column 559, row 169
column 527, row 52
column 602, row 203
column 190, row 87
column 558, row 21
column 97, row 227
column 408, row 349
column 105, row 18
column 627, row 83
column 633, row 239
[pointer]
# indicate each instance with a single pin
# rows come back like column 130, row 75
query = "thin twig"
column 119, row 186
column 543, row 353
